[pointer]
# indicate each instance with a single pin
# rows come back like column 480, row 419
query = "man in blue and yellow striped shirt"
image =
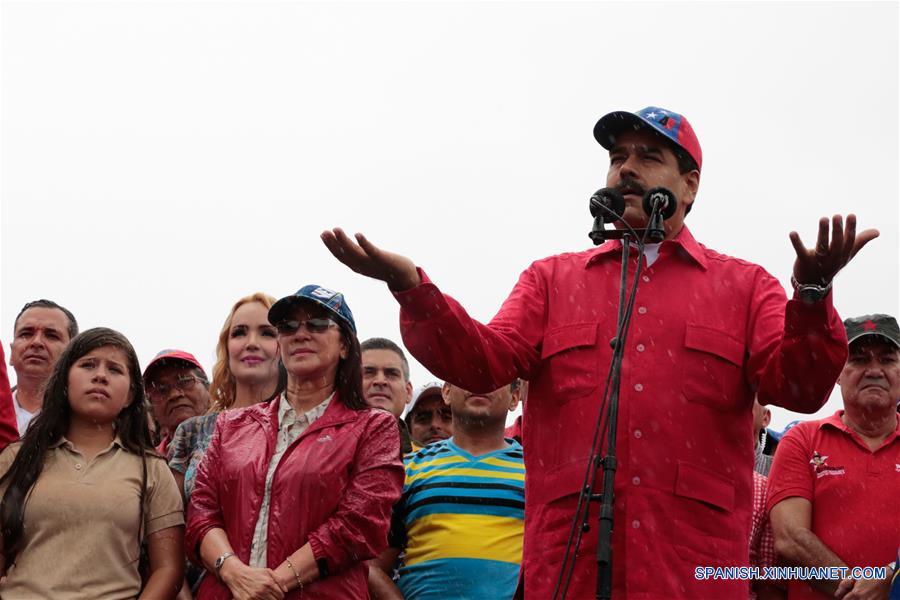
column 461, row 517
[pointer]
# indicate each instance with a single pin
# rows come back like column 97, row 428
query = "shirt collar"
column 683, row 240
column 285, row 409
column 64, row 441
column 837, row 422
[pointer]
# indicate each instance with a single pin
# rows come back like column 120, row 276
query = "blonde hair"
column 223, row 387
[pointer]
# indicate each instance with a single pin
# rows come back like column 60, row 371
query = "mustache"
column 630, row 185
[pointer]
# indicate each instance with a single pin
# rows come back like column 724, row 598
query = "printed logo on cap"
column 323, row 293
column 663, row 118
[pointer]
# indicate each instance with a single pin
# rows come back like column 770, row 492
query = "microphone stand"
column 608, row 462
column 607, row 422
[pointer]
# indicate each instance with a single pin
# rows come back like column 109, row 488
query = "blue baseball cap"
column 330, row 300
column 780, row 434
column 667, row 123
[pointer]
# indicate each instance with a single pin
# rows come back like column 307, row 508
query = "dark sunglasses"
column 317, row 325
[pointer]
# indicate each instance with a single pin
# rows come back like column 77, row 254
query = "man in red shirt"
column 835, row 483
column 708, row 332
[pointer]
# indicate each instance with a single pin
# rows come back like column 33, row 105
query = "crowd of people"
column 309, row 466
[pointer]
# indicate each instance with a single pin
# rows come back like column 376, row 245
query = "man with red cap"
column 178, row 389
column 708, row 333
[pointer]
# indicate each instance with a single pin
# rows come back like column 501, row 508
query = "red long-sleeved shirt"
column 707, row 332
column 9, row 431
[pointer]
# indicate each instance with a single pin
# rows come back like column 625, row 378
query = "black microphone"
column 606, row 205
column 665, row 203
column 611, row 199
column 663, row 197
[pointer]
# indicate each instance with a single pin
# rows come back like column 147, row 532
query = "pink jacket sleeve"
column 358, row 528
column 205, row 510
column 9, row 431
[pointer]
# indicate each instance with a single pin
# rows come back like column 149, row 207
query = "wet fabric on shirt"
column 82, row 523
column 290, row 426
column 708, row 333
column 462, row 520
column 188, row 446
column 853, row 491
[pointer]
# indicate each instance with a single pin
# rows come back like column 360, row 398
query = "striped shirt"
column 461, row 520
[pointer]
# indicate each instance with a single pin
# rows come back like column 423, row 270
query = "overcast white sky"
column 160, row 160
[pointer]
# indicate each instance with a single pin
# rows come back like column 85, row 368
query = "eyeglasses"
column 183, row 383
column 317, row 325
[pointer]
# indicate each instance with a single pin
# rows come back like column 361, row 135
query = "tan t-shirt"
column 81, row 523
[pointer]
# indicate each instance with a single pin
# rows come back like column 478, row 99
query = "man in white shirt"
column 41, row 332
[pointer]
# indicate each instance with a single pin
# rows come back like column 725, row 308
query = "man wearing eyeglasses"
column 178, row 389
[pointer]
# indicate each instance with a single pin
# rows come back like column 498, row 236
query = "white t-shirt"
column 651, row 252
column 23, row 417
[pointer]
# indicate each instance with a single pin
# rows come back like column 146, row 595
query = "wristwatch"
column 221, row 561
column 810, row 293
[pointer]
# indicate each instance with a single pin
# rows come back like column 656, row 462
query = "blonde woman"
column 246, row 372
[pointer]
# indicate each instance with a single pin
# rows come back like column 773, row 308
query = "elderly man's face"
column 871, row 378
column 641, row 160
column 176, row 393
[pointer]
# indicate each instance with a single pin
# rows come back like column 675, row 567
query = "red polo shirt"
column 854, row 491
column 707, row 331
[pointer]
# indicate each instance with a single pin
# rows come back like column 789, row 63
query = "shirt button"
column 637, row 433
column 78, row 466
column 636, row 480
column 642, row 310
column 635, row 524
column 640, row 347
column 638, row 387
column 646, row 279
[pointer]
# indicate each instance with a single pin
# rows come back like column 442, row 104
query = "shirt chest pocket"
column 713, row 367
column 570, row 360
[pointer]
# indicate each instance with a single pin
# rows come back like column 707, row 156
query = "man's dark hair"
column 379, row 343
column 44, row 303
column 686, row 164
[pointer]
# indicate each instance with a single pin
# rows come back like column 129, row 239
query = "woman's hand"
column 250, row 583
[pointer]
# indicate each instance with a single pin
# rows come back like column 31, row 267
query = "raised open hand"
column 367, row 259
column 819, row 265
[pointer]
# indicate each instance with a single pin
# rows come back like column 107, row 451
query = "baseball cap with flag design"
column 667, row 123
